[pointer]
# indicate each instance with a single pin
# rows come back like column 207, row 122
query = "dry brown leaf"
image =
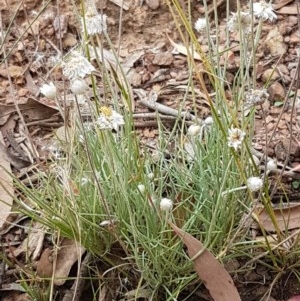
column 35, row 110
column 288, row 10
column 33, row 244
column 281, row 4
column 182, row 50
column 287, row 217
column 215, row 278
column 69, row 252
column 6, row 186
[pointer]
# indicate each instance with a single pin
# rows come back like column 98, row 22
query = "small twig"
column 152, row 115
column 153, row 105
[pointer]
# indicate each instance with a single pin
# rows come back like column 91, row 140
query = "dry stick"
column 166, row 110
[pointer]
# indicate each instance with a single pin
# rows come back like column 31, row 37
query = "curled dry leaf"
column 215, row 278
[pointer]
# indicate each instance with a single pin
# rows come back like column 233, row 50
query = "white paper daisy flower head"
column 241, row 20
column 235, row 138
column 264, row 10
column 49, row 90
column 95, row 23
column 255, row 97
column 109, row 119
column 201, row 24
column 166, row 204
column 255, row 183
column 76, row 65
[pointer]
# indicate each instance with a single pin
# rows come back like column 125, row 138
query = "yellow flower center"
column 106, row 111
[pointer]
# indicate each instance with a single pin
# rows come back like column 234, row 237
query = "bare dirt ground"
column 153, row 64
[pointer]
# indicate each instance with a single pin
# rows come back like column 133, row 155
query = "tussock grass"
column 93, row 193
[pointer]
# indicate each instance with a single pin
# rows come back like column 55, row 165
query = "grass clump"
column 114, row 196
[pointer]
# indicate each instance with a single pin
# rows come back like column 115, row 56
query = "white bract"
column 264, row 10
column 200, row 24
column 77, row 66
column 255, row 183
column 78, row 86
column 109, row 119
column 49, row 90
column 235, row 138
column 239, row 21
column 166, row 204
column 95, row 23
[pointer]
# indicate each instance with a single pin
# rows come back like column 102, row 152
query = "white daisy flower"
column 77, row 66
column 234, row 24
column 78, row 86
column 264, row 10
column 255, row 183
column 200, row 24
column 49, row 90
column 109, row 119
column 235, row 138
column 95, row 23
column 166, row 204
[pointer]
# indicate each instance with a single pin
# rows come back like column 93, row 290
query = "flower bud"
column 166, row 204
column 194, row 130
column 49, row 90
column 255, row 183
column 78, row 86
column 141, row 188
column 271, row 165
